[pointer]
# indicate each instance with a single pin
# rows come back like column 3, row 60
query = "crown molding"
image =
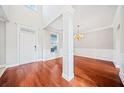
column 81, row 30
column 98, row 29
column 52, row 29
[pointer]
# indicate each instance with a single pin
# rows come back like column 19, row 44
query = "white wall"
column 94, row 16
column 22, row 15
column 51, row 12
column 99, row 39
column 96, row 44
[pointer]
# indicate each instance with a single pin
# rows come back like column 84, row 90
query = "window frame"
column 54, row 44
column 31, row 8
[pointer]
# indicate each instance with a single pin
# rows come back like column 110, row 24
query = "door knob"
column 35, row 47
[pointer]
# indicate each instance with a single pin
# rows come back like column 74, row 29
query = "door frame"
column 4, row 22
column 116, row 34
column 30, row 29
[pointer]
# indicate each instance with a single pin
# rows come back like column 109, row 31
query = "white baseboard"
column 2, row 70
column 68, row 78
column 116, row 65
column 2, row 66
column 120, row 63
column 121, row 75
column 13, row 65
column 51, row 58
column 102, row 54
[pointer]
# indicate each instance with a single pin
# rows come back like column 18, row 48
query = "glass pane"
column 53, row 38
column 54, row 48
column 32, row 7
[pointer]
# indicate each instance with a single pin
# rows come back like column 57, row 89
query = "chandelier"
column 78, row 35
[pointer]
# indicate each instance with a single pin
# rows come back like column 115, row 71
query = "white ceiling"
column 57, row 24
column 90, row 17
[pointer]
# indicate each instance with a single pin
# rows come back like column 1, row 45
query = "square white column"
column 68, row 60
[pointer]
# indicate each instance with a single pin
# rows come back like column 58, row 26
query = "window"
column 54, row 43
column 32, row 7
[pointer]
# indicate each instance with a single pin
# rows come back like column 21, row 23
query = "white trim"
column 87, row 31
column 2, row 70
column 49, row 28
column 37, row 43
column 52, row 58
column 2, row 66
column 26, row 26
column 116, row 65
column 22, row 26
column 121, row 75
column 12, row 65
column 98, row 29
column 67, row 77
column 44, row 26
column 117, row 59
column 102, row 54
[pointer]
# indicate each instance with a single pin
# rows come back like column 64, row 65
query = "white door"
column 27, row 46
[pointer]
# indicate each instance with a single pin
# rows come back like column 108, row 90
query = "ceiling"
column 57, row 24
column 90, row 17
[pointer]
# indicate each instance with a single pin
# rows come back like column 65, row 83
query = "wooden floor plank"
column 88, row 73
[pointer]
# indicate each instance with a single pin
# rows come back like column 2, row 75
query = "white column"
column 68, row 61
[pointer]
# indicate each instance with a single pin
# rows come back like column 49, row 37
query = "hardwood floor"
column 88, row 72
